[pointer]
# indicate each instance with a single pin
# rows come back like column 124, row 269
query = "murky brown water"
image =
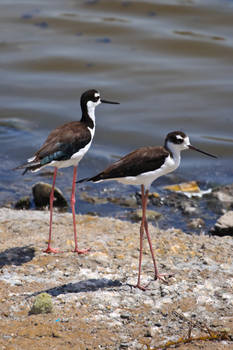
column 169, row 63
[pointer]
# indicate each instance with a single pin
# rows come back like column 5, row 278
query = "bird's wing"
column 63, row 142
column 139, row 161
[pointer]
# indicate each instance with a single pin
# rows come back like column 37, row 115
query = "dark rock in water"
column 23, row 203
column 224, row 225
column 213, row 204
column 188, row 206
column 41, row 193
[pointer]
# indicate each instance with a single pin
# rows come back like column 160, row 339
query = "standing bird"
column 65, row 146
column 142, row 167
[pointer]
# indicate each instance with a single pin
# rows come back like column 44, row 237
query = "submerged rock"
column 152, row 215
column 130, row 202
column 41, row 193
column 42, row 304
column 85, row 196
column 224, row 225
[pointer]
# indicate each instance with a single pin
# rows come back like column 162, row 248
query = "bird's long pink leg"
column 157, row 274
column 49, row 249
column 73, row 212
column 138, row 285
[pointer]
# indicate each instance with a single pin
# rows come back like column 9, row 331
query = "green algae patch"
column 42, row 304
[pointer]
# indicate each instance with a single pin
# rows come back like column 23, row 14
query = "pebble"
column 152, row 215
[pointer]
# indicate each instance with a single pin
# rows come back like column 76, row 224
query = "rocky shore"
column 94, row 305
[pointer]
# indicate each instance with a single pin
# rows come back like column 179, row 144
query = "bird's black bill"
column 110, row 102
column 198, row 150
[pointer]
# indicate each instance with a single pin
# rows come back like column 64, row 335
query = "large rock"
column 224, row 225
column 41, row 193
column 225, row 196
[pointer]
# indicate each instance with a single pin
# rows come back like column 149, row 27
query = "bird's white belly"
column 147, row 178
column 74, row 160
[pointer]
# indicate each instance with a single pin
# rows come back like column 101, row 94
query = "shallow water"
column 169, row 64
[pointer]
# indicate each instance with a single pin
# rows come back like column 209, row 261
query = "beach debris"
column 189, row 189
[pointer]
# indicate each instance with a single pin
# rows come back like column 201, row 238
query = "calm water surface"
column 169, row 64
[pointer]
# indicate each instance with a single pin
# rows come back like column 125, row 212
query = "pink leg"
column 49, row 249
column 138, row 285
column 157, row 274
column 144, row 224
column 73, row 212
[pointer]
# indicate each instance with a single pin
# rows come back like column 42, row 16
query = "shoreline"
column 93, row 303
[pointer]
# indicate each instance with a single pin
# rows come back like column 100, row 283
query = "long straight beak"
column 110, row 102
column 198, row 150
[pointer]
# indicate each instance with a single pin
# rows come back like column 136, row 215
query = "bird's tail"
column 90, row 179
column 27, row 167
column 83, row 180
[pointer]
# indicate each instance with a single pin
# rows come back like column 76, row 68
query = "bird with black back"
column 65, row 146
column 142, row 167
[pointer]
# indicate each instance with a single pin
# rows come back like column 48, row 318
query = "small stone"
column 42, row 304
column 196, row 223
column 125, row 316
column 188, row 209
column 152, row 215
column 148, row 333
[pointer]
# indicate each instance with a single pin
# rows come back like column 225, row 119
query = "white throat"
column 91, row 110
column 91, row 113
column 175, row 150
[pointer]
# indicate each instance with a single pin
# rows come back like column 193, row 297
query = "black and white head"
column 91, row 98
column 177, row 141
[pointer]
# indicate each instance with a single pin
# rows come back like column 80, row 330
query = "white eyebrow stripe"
column 96, row 94
column 179, row 137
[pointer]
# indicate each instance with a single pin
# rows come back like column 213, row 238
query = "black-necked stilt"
column 65, row 146
column 142, row 167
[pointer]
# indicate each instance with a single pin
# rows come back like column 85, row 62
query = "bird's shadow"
column 89, row 285
column 17, row 256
